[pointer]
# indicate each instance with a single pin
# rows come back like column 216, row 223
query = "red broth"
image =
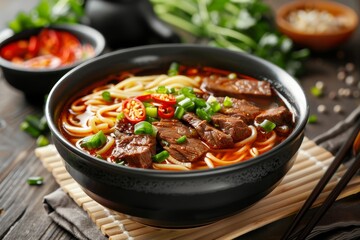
column 104, row 107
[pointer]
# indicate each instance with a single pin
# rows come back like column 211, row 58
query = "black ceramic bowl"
column 177, row 199
column 35, row 83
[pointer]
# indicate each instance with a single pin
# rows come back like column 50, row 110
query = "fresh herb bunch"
column 48, row 12
column 242, row 25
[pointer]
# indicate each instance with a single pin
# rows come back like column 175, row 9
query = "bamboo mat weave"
column 284, row 200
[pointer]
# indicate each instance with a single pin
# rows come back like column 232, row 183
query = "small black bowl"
column 177, row 199
column 35, row 83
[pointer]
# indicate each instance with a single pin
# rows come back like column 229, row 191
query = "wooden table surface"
column 22, row 215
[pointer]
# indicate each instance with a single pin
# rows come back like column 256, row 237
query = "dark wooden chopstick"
column 331, row 198
column 323, row 181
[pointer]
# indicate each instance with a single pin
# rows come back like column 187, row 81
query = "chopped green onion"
column 36, row 180
column 181, row 139
column 211, row 99
column 120, row 116
column 151, row 119
column 147, row 104
column 151, row 111
column 232, row 76
column 312, row 119
column 316, row 92
column 179, row 112
column 94, row 141
column 145, row 127
column 171, row 90
column 187, row 103
column 42, row 141
column 215, row 106
column 199, row 102
column 202, row 114
column 267, row 125
column 173, row 69
column 161, row 156
column 106, row 96
column 26, row 127
column 227, row 102
column 180, row 97
column 36, row 122
column 162, row 89
column 188, row 92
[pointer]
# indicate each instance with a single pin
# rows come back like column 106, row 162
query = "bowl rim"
column 346, row 11
column 298, row 130
column 91, row 33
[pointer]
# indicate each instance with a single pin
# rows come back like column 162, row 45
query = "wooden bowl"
column 314, row 38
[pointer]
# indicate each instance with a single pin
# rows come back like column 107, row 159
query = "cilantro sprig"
column 241, row 25
column 48, row 12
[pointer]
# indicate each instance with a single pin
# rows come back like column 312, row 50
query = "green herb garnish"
column 36, row 180
column 312, row 119
column 106, row 96
column 161, row 156
column 94, row 141
column 181, row 139
column 243, row 26
column 267, row 125
column 48, row 12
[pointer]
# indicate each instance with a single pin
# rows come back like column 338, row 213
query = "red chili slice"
column 134, row 110
column 67, row 55
column 144, row 98
column 163, row 98
column 16, row 49
column 68, row 40
column 33, row 47
column 49, row 41
column 166, row 111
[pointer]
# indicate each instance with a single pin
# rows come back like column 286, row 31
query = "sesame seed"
column 337, row 108
column 341, row 75
column 321, row 108
column 350, row 80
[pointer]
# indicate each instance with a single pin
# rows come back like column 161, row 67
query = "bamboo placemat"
column 284, row 200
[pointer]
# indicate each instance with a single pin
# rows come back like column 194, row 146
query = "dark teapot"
column 128, row 23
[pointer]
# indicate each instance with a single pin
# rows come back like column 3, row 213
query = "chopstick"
column 320, row 186
column 331, row 198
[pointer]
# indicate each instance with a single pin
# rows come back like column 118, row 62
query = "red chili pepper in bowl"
column 164, row 98
column 134, row 110
column 166, row 111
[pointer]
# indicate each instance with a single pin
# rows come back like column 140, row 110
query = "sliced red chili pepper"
column 134, row 110
column 33, row 47
column 144, row 98
column 15, row 49
column 68, row 40
column 165, row 99
column 67, row 55
column 49, row 41
column 166, row 111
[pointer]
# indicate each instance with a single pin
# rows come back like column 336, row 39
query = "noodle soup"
column 186, row 118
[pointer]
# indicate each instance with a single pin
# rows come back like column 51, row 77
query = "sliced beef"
column 135, row 150
column 238, row 88
column 241, row 108
column 213, row 137
column 233, row 126
column 279, row 115
column 170, row 130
